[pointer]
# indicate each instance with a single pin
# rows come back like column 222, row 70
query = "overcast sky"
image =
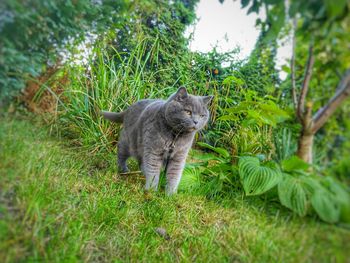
column 227, row 25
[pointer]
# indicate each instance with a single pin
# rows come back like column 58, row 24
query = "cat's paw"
column 123, row 170
column 170, row 191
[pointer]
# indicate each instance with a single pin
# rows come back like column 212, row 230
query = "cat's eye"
column 188, row 112
column 202, row 115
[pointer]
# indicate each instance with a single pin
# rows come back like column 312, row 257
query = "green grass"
column 62, row 204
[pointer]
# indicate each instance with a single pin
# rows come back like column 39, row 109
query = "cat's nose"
column 195, row 121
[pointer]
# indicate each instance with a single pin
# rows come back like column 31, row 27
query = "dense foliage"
column 318, row 81
column 33, row 33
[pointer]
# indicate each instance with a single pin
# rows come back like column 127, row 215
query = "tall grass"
column 112, row 81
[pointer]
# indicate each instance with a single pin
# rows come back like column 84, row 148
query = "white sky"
column 227, row 26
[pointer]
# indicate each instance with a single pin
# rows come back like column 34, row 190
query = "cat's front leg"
column 151, row 166
column 174, row 171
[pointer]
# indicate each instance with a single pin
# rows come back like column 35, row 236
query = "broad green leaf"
column 260, row 118
column 293, row 194
column 205, row 157
column 257, row 179
column 336, row 188
column 271, row 109
column 221, row 168
column 294, row 163
column 221, row 151
column 242, row 107
column 341, row 195
column 335, row 8
column 326, row 206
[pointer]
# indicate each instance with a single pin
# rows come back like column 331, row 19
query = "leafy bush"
column 34, row 32
column 247, row 120
column 297, row 188
column 209, row 173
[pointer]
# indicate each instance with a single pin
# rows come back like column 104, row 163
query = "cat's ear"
column 207, row 99
column 181, row 94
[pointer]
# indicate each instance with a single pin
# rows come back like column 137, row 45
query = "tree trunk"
column 312, row 124
column 305, row 145
column 306, row 138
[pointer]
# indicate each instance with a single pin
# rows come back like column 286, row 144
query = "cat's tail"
column 113, row 116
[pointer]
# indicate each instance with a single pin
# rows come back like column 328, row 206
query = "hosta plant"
column 298, row 189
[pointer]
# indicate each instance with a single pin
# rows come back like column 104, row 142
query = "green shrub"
column 34, row 32
column 298, row 189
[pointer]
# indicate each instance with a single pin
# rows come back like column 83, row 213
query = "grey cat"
column 159, row 133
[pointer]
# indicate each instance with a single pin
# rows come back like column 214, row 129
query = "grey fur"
column 159, row 133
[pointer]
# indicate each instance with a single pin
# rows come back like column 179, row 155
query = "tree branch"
column 342, row 92
column 306, row 82
column 292, row 65
column 308, row 121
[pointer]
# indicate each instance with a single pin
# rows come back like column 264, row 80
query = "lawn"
column 62, row 203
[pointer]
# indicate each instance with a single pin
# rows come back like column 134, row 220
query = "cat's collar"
column 172, row 144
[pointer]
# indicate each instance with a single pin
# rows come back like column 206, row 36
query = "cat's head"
column 185, row 112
